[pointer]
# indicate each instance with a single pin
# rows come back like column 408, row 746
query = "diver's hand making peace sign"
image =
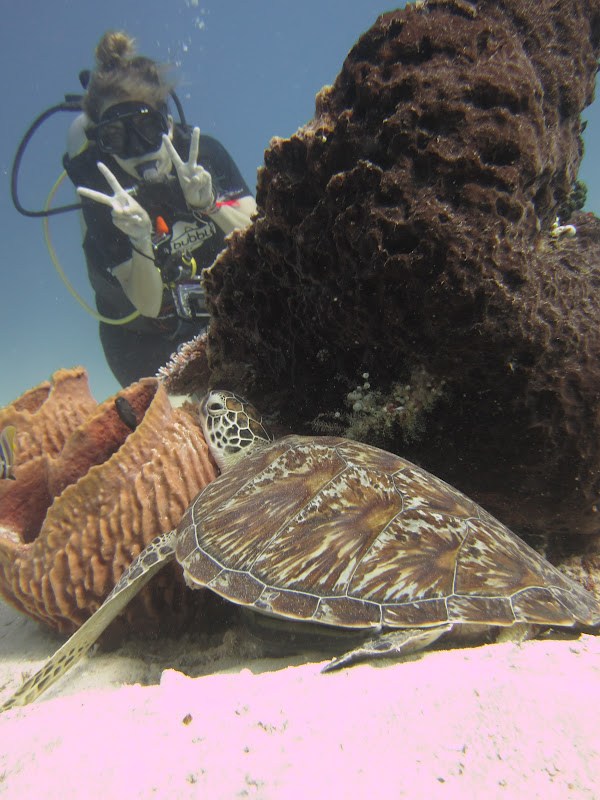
column 195, row 181
column 127, row 214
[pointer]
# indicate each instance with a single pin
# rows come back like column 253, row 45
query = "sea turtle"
column 346, row 539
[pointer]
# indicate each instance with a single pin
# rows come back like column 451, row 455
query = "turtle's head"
column 232, row 427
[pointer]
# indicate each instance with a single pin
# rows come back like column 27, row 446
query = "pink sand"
column 501, row 721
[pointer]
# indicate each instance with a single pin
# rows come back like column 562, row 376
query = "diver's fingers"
column 194, row 147
column 91, row 194
column 173, row 154
column 111, row 180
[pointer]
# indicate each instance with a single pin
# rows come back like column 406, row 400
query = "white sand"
column 500, row 721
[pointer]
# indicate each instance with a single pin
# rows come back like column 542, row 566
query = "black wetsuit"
column 138, row 348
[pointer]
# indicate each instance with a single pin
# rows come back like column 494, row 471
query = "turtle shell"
column 337, row 532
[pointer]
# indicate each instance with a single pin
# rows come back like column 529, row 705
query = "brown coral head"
column 72, row 521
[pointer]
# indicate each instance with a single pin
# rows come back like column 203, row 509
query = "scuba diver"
column 157, row 203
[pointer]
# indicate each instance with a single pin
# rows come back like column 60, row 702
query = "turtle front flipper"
column 389, row 645
column 153, row 558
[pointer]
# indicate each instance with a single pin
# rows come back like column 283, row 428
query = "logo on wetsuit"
column 187, row 236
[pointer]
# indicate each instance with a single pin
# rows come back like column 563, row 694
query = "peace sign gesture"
column 127, row 214
column 195, row 181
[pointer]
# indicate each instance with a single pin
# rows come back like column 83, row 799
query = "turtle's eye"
column 215, row 407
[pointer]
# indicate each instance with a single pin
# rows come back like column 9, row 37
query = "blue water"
column 247, row 71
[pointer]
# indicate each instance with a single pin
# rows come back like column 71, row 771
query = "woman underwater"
column 157, row 204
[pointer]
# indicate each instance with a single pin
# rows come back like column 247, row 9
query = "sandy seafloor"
column 499, row 721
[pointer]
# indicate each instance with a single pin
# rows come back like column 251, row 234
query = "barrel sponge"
column 90, row 493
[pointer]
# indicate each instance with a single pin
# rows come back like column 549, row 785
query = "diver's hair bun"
column 121, row 75
column 113, row 49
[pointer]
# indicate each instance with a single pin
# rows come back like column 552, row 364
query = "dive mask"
column 129, row 130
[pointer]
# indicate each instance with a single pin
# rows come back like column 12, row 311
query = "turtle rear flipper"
column 390, row 645
column 153, row 558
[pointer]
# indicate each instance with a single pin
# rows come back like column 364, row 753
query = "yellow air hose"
column 61, row 273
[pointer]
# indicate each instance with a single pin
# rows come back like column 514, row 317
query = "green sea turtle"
column 346, row 539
